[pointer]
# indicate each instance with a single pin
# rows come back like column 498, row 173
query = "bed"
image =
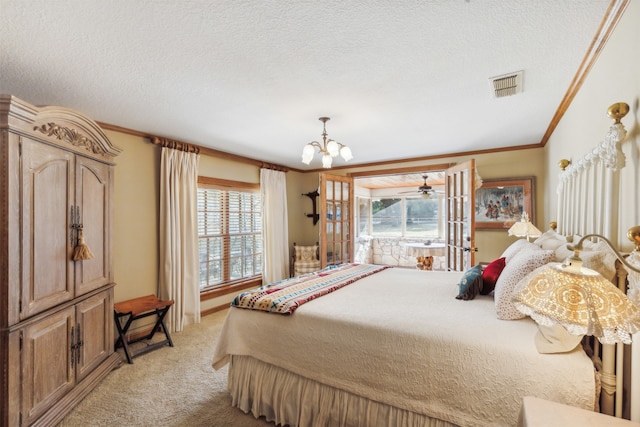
column 394, row 348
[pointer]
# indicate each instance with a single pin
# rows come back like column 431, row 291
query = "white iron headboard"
column 588, row 202
column 588, row 189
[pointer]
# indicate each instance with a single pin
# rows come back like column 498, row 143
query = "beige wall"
column 614, row 78
column 136, row 215
column 228, row 169
column 496, row 165
column 301, row 228
column 135, row 228
column 136, row 196
column 490, row 244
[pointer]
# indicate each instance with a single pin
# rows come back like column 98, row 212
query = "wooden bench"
column 139, row 308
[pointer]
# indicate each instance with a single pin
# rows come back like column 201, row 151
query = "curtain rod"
column 176, row 145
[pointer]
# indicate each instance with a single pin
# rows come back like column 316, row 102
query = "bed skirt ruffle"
column 289, row 399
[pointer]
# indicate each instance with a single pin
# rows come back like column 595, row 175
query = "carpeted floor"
column 167, row 387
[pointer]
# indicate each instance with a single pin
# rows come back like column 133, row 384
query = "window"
column 399, row 216
column 421, row 217
column 386, row 217
column 229, row 232
column 364, row 215
column 393, row 204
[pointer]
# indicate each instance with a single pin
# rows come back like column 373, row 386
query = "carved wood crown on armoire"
column 56, row 313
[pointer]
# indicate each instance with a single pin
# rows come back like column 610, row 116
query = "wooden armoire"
column 56, row 314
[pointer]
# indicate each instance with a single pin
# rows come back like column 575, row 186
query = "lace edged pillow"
column 523, row 263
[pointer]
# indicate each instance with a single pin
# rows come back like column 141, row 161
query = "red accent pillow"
column 490, row 275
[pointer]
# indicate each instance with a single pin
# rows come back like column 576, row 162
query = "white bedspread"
column 400, row 337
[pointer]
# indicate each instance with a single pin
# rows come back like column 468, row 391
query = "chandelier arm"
column 318, row 146
column 577, row 248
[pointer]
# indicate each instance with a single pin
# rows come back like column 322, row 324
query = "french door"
column 336, row 219
column 460, row 202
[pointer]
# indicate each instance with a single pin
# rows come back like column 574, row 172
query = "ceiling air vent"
column 506, row 85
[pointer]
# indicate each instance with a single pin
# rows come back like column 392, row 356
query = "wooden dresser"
column 56, row 314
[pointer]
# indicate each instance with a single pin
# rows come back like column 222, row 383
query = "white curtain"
column 275, row 227
column 178, row 275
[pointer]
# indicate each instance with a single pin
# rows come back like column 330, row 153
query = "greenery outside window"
column 229, row 233
column 399, row 216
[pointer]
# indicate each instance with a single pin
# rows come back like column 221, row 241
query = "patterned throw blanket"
column 285, row 296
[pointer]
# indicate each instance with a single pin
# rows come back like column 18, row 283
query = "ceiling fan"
column 425, row 189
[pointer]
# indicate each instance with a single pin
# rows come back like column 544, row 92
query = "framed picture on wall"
column 501, row 202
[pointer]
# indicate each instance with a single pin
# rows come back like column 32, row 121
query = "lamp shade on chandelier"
column 329, row 148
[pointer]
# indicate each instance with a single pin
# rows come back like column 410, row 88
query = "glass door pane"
column 460, row 195
column 336, row 242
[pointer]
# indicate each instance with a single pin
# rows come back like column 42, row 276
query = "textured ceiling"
column 399, row 79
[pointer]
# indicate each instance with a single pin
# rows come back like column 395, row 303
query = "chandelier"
column 329, row 148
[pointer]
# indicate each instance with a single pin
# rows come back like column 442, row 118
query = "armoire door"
column 47, row 371
column 94, row 333
column 47, row 238
column 93, row 214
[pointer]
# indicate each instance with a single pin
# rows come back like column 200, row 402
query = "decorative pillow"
column 601, row 259
column 598, row 257
column 306, row 253
column 490, row 275
column 523, row 263
column 555, row 339
column 561, row 253
column 516, row 247
column 470, row 284
column 550, row 240
column 587, row 244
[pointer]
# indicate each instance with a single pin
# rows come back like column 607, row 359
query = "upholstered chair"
column 305, row 259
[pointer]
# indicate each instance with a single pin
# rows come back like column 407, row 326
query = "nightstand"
column 537, row 412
